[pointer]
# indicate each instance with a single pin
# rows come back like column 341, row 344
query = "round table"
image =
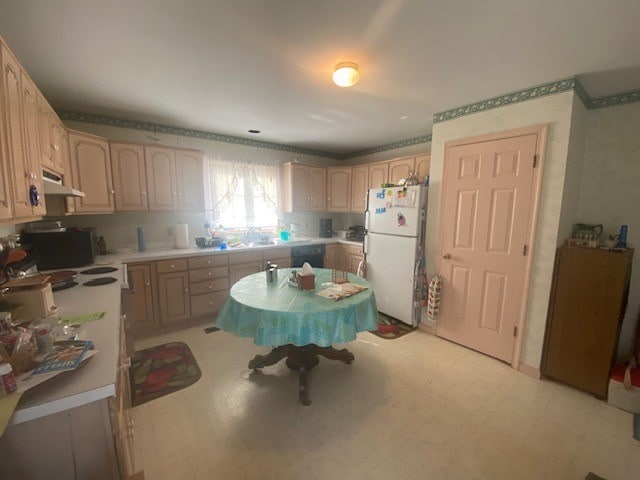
column 300, row 325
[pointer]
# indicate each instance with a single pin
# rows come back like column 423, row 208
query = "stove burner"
column 62, row 286
column 99, row 270
column 100, row 281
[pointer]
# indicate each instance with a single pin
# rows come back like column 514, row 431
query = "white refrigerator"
column 393, row 248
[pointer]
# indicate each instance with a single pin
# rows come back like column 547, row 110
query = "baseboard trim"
column 529, row 370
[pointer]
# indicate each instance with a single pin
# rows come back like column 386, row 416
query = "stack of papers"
column 344, row 290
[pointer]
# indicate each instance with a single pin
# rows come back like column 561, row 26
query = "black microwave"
column 75, row 247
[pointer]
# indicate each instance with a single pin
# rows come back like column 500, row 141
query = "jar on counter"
column 8, row 378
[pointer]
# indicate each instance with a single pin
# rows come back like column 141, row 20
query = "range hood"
column 53, row 187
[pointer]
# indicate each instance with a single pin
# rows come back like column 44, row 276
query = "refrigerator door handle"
column 365, row 245
column 366, row 219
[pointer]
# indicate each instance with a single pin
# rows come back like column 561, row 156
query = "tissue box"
column 619, row 396
column 306, row 282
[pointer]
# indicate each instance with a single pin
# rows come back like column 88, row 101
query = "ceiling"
column 230, row 66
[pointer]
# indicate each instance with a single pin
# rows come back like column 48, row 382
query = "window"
column 242, row 194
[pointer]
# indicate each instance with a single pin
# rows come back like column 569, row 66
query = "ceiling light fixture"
column 346, row 74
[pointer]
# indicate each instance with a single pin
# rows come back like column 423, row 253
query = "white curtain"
column 224, row 179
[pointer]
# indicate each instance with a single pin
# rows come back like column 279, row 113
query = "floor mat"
column 391, row 328
column 160, row 370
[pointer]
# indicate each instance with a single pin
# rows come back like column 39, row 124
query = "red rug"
column 391, row 328
column 158, row 371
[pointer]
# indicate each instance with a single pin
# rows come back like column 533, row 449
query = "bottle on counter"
column 102, row 246
column 8, row 378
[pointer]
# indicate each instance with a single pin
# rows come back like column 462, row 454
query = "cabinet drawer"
column 207, row 303
column 282, row 262
column 212, row 286
column 208, row 261
column 208, row 274
column 245, row 257
column 353, row 250
column 277, row 255
column 175, row 265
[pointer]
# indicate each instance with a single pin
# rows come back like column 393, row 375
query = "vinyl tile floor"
column 417, row 407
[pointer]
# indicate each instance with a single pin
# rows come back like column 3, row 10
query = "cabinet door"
column 317, row 189
column 354, row 261
column 173, row 295
column 91, row 172
column 141, row 306
column 423, row 165
column 67, row 178
column 339, row 189
column 300, row 188
column 32, row 143
column 56, row 144
column 331, row 256
column 129, row 177
column 400, row 168
column 343, row 257
column 44, row 132
column 236, row 272
column 161, row 178
column 17, row 161
column 359, row 186
column 190, row 180
column 378, row 174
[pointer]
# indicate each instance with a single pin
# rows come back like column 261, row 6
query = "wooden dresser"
column 588, row 301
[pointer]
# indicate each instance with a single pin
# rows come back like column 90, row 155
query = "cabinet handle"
column 211, row 304
column 144, row 192
column 175, row 194
column 209, row 273
column 209, row 262
column 173, row 266
column 186, row 290
column 148, row 284
column 210, row 287
column 112, row 192
column 179, row 194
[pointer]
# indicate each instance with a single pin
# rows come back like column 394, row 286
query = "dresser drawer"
column 175, row 265
column 212, row 286
column 208, row 261
column 245, row 257
column 208, row 274
column 208, row 303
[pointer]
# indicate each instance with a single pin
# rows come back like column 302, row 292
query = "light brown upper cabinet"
column 378, row 174
column 359, row 186
column 189, row 179
column 91, row 172
column 400, row 168
column 339, row 189
column 44, row 131
column 57, row 152
column 67, row 178
column 17, row 159
column 33, row 174
column 303, row 187
column 129, row 177
column 423, row 165
column 162, row 188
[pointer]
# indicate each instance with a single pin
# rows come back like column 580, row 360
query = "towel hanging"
column 434, row 297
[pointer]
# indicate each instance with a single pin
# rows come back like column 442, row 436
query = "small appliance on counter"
column 62, row 248
column 357, row 233
column 326, row 228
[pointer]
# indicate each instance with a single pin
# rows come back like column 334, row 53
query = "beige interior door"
column 486, row 209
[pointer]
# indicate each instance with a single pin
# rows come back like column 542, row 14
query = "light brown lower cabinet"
column 344, row 257
column 173, row 296
column 141, row 306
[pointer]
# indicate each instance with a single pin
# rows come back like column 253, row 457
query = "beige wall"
column 611, row 189
column 555, row 110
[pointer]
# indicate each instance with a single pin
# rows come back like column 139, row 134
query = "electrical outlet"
column 170, row 231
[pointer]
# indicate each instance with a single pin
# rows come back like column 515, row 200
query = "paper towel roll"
column 182, row 235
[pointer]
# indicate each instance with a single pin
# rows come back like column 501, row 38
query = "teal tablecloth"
column 277, row 314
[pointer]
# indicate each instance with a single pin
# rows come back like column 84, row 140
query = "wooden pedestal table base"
column 301, row 359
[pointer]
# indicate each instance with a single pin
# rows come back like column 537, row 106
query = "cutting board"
column 27, row 281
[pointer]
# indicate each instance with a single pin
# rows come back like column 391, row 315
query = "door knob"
column 446, row 256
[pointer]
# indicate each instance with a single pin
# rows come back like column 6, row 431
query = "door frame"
column 541, row 131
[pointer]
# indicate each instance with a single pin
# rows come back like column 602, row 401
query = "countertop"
column 95, row 380
column 193, row 251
